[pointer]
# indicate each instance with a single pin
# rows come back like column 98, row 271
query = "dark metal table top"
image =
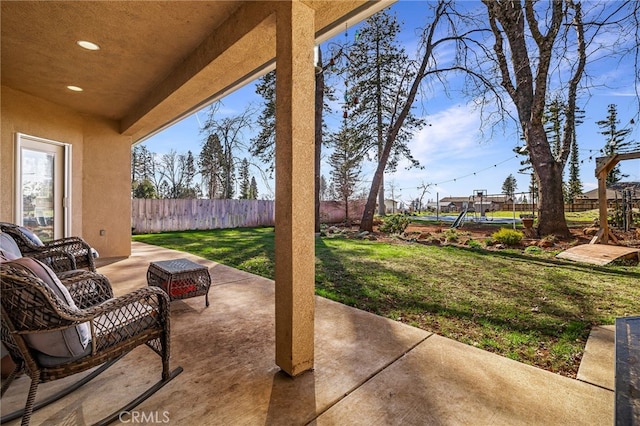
column 177, row 265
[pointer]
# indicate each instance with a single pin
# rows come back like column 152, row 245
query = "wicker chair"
column 30, row 245
column 32, row 306
column 58, row 261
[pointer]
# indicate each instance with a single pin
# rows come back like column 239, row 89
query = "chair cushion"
column 8, row 247
column 68, row 342
column 31, row 236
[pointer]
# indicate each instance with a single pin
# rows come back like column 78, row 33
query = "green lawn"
column 532, row 309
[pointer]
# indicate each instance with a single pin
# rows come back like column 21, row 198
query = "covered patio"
column 368, row 369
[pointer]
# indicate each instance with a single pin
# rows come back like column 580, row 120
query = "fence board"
column 149, row 215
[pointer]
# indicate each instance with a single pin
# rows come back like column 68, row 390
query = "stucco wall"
column 107, row 188
column 100, row 169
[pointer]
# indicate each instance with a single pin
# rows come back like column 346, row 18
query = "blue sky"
column 458, row 155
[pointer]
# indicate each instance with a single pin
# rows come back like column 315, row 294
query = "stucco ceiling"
column 157, row 59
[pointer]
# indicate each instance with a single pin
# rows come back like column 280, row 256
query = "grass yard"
column 533, row 309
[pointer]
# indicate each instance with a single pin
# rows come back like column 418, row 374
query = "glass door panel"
column 42, row 190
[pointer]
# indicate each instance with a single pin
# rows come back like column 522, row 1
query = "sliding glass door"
column 42, row 190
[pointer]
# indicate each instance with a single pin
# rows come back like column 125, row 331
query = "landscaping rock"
column 545, row 243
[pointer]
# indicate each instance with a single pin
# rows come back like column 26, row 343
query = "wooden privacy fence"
column 149, row 215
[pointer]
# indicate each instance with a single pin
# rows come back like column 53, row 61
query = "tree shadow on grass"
column 534, row 260
column 342, row 283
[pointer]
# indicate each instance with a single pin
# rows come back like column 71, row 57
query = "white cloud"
column 451, row 133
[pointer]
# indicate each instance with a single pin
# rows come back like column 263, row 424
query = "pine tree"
column 574, row 185
column 554, row 119
column 244, row 180
column 346, row 162
column 615, row 141
column 323, row 188
column 209, row 165
column 141, row 163
column 376, row 79
column 263, row 144
column 509, row 186
column 189, row 188
column 142, row 173
column 253, row 189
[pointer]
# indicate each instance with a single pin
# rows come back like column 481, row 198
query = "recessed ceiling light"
column 75, row 88
column 88, row 45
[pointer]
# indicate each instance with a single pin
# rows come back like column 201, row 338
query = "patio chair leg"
column 7, row 382
column 64, row 392
column 31, row 397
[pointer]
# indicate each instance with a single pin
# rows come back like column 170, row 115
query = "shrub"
column 474, row 244
column 533, row 250
column 509, row 237
column 395, row 224
column 451, row 235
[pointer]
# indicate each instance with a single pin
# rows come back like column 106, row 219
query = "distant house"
column 453, row 204
column 479, row 204
column 391, row 206
column 614, row 192
column 444, row 207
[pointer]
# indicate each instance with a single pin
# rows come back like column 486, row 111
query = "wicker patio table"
column 180, row 278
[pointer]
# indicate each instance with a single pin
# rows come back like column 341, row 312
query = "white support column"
column 294, row 230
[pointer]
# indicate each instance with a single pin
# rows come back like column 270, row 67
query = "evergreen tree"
column 263, row 144
column 323, row 188
column 574, row 185
column 209, row 166
column 141, row 163
column 142, row 172
column 553, row 122
column 615, row 141
column 189, row 188
column 376, row 77
column 509, row 186
column 244, row 180
column 346, row 162
column 253, row 189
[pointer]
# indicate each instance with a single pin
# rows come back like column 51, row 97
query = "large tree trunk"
column 367, row 216
column 381, row 206
column 379, row 132
column 551, row 220
column 366, row 224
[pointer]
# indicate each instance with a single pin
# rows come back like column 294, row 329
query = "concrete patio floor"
column 368, row 369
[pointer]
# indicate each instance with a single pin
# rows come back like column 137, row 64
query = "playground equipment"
column 460, row 219
column 603, row 166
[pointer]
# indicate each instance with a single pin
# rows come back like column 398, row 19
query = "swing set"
column 604, row 165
